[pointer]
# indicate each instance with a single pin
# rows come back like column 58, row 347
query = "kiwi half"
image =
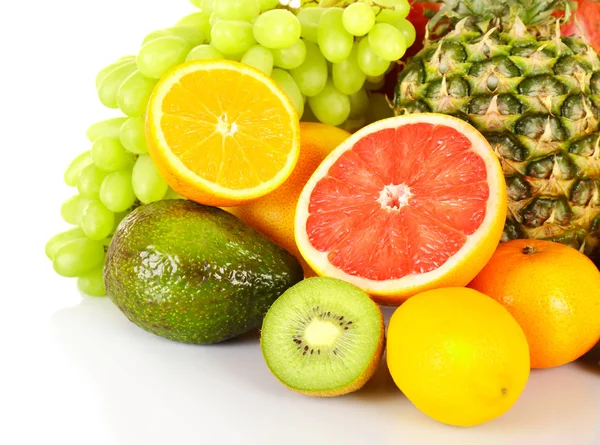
column 323, row 337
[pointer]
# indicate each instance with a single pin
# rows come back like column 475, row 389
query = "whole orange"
column 273, row 214
column 553, row 291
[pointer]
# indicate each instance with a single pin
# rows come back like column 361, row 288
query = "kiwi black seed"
column 323, row 337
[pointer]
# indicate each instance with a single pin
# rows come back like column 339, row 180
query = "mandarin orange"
column 274, row 213
column 553, row 291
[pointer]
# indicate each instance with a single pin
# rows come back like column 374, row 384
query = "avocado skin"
column 194, row 274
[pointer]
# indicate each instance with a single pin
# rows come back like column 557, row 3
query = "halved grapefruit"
column 404, row 205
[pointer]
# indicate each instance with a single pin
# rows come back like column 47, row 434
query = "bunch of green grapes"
column 329, row 58
column 116, row 174
column 352, row 49
column 112, row 178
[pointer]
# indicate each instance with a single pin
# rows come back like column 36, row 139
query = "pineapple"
column 503, row 66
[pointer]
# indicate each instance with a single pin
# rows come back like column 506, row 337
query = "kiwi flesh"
column 323, row 337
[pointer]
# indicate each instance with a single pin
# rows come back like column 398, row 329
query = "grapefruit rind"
column 177, row 174
column 460, row 268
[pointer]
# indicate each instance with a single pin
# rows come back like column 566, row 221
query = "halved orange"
column 222, row 133
column 404, row 205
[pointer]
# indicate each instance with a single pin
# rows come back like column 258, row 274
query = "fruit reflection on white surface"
column 152, row 391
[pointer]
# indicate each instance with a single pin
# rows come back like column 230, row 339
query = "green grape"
column 388, row 16
column 232, row 36
column 200, row 20
column 369, row 62
column 374, row 86
column 287, row 84
column 107, row 91
column 359, row 104
column 353, row 125
column 110, row 155
column 387, row 42
column 103, row 74
column 160, row 55
column 89, row 181
column 379, row 108
column 309, row 19
column 311, row 76
column 71, row 209
column 335, row 42
column 266, row 5
column 245, row 10
column 358, row 19
column 108, row 128
column 125, row 58
column 202, row 52
column 133, row 135
column 92, row 283
column 156, row 35
column 402, row 7
column 191, row 34
column 172, row 194
column 96, row 220
column 237, row 57
column 207, row 6
column 375, row 83
column 57, row 241
column 276, row 29
column 330, row 106
column 408, row 31
column 196, row 18
column 196, row 3
column 75, row 167
column 397, row 20
column 147, row 183
column 134, row 94
column 291, row 57
column 260, row 58
column 214, row 19
column 78, row 257
column 376, row 79
column 116, row 192
column 347, row 76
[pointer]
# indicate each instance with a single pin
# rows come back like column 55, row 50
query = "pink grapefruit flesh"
column 399, row 200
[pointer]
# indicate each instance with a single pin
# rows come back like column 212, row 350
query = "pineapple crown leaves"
column 530, row 12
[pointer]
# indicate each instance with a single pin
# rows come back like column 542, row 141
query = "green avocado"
column 194, row 274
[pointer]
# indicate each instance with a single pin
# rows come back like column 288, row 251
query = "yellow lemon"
column 457, row 355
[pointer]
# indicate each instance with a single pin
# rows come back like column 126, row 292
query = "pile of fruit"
column 215, row 208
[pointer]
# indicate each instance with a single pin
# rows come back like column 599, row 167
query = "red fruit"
column 585, row 22
column 418, row 18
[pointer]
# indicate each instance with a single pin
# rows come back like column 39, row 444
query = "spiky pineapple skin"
column 536, row 97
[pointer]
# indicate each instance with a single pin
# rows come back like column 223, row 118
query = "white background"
column 74, row 371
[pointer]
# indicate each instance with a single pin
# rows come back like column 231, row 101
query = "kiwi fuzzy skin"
column 361, row 380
